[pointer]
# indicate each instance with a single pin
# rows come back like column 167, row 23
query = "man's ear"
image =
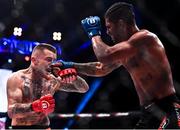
column 121, row 22
column 34, row 60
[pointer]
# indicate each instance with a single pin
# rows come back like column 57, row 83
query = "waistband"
column 30, row 127
column 164, row 102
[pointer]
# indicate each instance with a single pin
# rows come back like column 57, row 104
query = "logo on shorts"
column 164, row 123
column 177, row 109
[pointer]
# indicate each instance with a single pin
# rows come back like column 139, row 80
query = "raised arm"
column 104, row 53
column 116, row 53
column 79, row 85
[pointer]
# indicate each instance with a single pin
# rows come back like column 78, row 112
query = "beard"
column 40, row 72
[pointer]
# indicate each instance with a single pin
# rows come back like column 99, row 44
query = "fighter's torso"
column 33, row 89
column 150, row 71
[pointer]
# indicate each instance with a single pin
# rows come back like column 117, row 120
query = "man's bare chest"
column 33, row 89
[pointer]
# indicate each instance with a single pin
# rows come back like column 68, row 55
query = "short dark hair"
column 43, row 46
column 121, row 10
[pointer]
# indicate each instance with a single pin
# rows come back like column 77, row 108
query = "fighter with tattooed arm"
column 30, row 91
column 143, row 55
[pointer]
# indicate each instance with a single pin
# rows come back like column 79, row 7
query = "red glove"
column 68, row 75
column 67, row 72
column 45, row 104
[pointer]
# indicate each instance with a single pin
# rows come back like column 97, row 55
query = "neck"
column 32, row 70
column 29, row 70
column 134, row 29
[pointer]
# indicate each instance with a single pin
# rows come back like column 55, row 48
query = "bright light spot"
column 122, row 114
column 103, row 115
column 85, row 115
column 9, row 60
column 27, row 58
column 5, row 43
column 17, row 31
column 57, row 36
column 66, row 115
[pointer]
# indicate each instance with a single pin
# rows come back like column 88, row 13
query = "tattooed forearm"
column 90, row 68
column 95, row 68
column 19, row 109
column 79, row 85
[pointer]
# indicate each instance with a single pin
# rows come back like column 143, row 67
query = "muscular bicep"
column 14, row 95
column 131, row 47
column 119, row 52
column 79, row 85
column 111, row 54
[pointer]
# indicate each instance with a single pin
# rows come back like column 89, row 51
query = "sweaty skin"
column 28, row 85
column 144, row 57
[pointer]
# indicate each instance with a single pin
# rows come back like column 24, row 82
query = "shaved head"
column 42, row 55
column 41, row 47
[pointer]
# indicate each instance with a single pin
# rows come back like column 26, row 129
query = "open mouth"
column 48, row 69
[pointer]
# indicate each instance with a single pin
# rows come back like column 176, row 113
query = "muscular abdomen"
column 31, row 118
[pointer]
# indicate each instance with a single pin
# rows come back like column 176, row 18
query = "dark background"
column 116, row 93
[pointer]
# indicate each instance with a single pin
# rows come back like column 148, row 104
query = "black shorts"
column 31, row 127
column 161, row 114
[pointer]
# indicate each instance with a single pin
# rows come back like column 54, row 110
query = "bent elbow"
column 86, row 88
